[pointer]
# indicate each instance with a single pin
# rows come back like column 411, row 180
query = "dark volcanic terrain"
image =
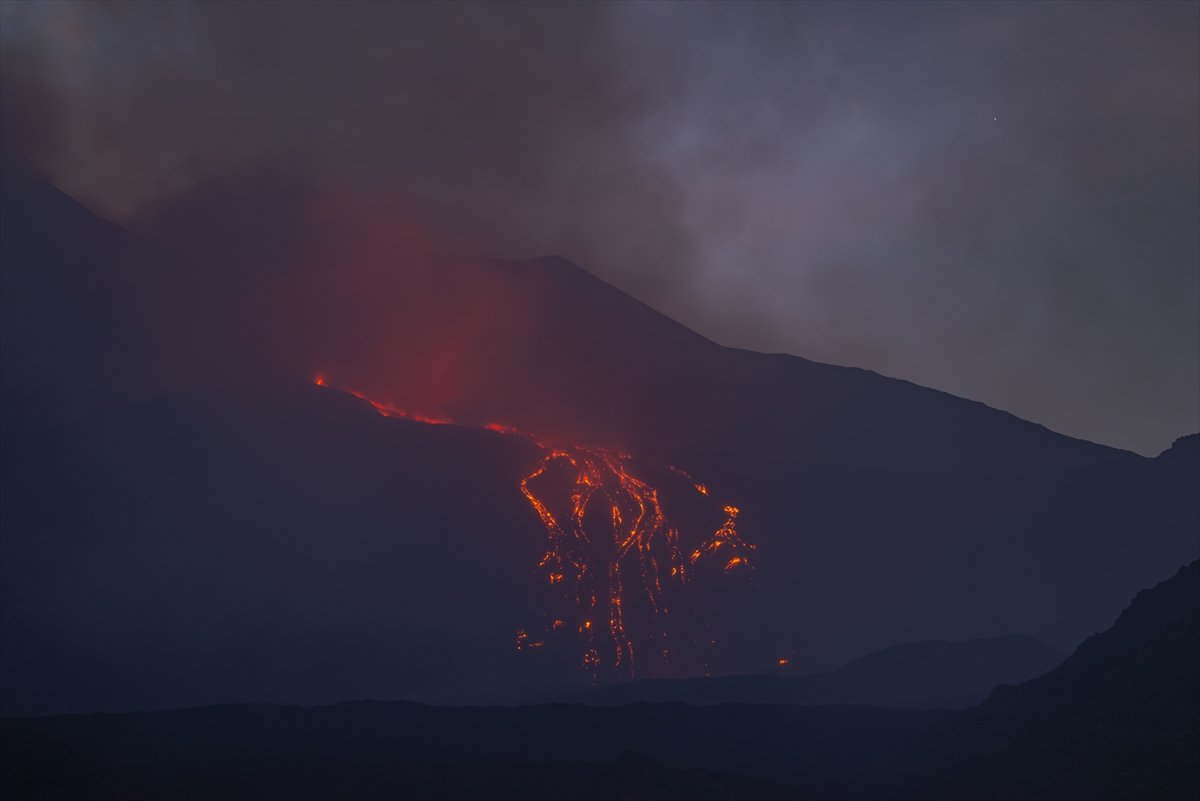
column 174, row 486
column 1119, row 719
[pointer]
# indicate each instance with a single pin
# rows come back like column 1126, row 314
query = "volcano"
column 176, row 486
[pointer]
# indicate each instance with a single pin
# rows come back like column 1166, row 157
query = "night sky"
column 997, row 200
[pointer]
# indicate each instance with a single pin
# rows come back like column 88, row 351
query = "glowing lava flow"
column 612, row 535
column 607, row 533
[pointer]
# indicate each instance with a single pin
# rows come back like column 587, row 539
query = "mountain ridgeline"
column 1120, row 718
column 175, row 486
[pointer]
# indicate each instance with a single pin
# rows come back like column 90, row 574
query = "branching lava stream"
column 610, row 546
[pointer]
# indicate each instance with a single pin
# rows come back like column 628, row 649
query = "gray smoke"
column 995, row 200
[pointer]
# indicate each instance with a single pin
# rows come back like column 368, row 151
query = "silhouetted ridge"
column 933, row 674
column 1120, row 718
column 1184, row 451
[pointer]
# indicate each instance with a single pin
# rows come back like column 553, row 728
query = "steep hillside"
column 1120, row 718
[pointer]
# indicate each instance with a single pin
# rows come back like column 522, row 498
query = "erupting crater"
column 615, row 563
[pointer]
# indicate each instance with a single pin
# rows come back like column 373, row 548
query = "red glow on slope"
column 392, row 411
column 609, row 542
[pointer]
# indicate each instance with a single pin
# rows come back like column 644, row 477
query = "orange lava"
column 609, row 543
column 612, row 542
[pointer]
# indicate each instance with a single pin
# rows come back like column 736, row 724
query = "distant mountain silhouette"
column 174, row 487
column 1185, row 451
column 933, row 674
column 1120, row 718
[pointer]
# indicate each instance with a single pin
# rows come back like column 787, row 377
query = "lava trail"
column 614, row 560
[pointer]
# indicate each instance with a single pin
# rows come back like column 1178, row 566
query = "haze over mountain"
column 995, row 200
column 174, row 486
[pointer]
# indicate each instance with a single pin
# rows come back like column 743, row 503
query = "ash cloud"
column 995, row 200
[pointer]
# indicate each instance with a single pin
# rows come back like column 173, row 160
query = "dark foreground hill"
column 933, row 674
column 1118, row 719
column 388, row 750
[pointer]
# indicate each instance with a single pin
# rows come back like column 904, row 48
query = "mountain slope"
column 174, row 487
